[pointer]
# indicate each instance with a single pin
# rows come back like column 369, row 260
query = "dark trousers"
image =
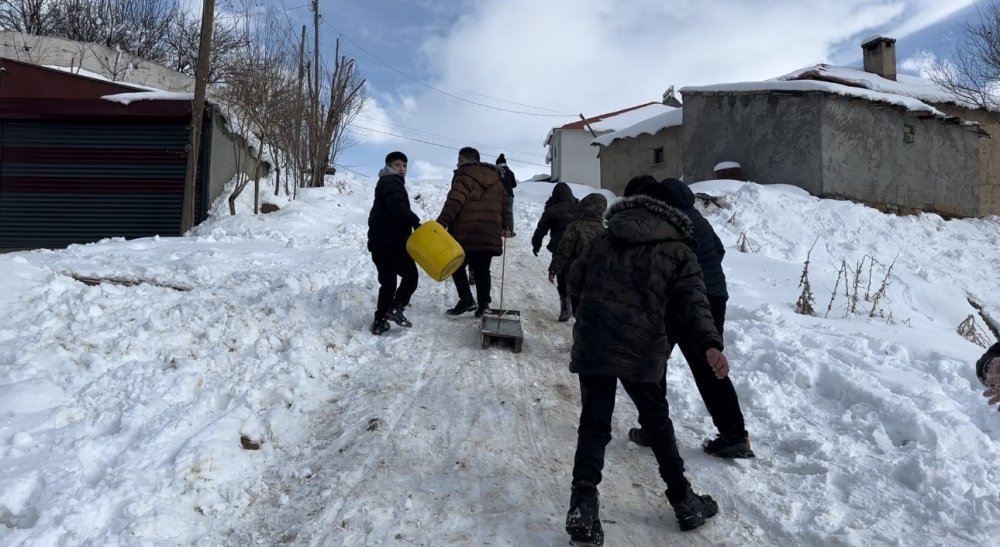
column 561, row 285
column 719, row 395
column 390, row 266
column 597, row 394
column 479, row 262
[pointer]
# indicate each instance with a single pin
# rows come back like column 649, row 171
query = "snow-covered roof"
column 614, row 121
column 670, row 117
column 908, row 103
column 910, row 92
column 127, row 98
column 921, row 89
column 726, row 165
column 78, row 71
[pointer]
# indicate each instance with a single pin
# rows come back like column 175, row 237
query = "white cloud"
column 591, row 56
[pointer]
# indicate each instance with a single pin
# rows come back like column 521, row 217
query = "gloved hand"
column 992, row 381
column 720, row 365
column 552, row 277
column 535, row 250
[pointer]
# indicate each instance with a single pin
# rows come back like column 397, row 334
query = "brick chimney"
column 880, row 57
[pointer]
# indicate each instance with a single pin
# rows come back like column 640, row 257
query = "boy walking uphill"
column 390, row 224
column 640, row 271
column 576, row 239
column 719, row 395
column 476, row 213
column 560, row 211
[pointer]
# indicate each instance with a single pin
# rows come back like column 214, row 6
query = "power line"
column 466, row 142
column 429, row 86
column 245, row 15
column 449, row 147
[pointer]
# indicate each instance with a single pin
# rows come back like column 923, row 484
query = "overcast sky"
column 429, row 62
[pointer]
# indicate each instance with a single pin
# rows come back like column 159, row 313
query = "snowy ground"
column 236, row 397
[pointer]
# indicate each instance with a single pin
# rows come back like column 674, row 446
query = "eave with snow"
column 651, row 146
column 569, row 151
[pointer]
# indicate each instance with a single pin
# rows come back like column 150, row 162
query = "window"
column 657, row 155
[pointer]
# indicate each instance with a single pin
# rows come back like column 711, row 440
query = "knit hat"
column 501, row 160
column 633, row 186
column 656, row 191
column 393, row 156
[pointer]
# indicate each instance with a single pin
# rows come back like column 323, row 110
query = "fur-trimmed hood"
column 642, row 219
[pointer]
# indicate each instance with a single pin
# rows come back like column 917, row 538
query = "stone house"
column 871, row 135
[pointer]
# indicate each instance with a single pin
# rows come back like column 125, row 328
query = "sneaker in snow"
column 692, row 511
column 729, row 446
column 462, row 307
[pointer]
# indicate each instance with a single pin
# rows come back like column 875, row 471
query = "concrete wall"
column 776, row 138
column 627, row 158
column 989, row 159
column 576, row 158
column 43, row 50
column 230, row 155
column 895, row 159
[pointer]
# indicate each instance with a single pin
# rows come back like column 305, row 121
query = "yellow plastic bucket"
column 433, row 248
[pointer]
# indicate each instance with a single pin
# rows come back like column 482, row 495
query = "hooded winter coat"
column 476, row 211
column 580, row 233
column 390, row 221
column 630, row 280
column 708, row 246
column 994, row 351
column 560, row 211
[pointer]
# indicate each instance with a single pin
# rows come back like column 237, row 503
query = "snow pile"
column 128, row 98
column 231, row 394
column 649, row 126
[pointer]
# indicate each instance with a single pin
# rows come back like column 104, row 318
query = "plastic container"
column 434, row 250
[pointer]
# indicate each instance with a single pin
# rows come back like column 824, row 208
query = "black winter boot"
column 692, row 511
column 395, row 315
column 380, row 326
column 583, row 522
column 564, row 308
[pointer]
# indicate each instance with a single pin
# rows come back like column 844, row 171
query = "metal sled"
column 502, row 325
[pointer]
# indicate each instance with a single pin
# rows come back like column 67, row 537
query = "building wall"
column 44, row 50
column 896, row 159
column 989, row 158
column 230, row 154
column 631, row 157
column 577, row 159
column 776, row 138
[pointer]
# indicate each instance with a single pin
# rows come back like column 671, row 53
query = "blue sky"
column 497, row 74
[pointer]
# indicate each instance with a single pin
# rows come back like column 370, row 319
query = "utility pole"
column 198, row 112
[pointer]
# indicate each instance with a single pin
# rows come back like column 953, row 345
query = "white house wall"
column 577, row 159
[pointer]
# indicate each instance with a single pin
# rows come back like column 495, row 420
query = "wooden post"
column 198, row 111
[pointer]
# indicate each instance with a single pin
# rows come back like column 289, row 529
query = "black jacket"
column 994, row 351
column 390, row 221
column 630, row 280
column 508, row 180
column 708, row 246
column 560, row 211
